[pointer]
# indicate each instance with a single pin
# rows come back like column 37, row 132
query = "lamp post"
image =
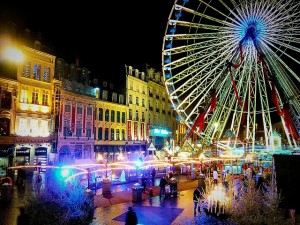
column 106, row 182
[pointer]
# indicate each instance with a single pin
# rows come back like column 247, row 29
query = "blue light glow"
column 257, row 28
column 65, row 172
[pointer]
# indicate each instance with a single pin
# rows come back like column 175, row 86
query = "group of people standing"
column 144, row 178
column 164, row 181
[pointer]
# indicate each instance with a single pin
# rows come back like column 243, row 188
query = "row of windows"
column 136, row 101
column 136, row 115
column 34, row 97
column 41, row 73
column 67, row 132
column 113, row 116
column 89, row 110
column 112, row 136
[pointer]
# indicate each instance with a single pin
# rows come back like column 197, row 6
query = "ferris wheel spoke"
column 283, row 52
column 284, row 80
column 287, row 42
column 203, row 63
column 287, row 46
column 201, row 26
column 210, row 18
column 206, row 60
column 209, row 47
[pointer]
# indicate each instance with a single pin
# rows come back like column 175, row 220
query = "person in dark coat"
column 144, row 182
column 131, row 218
column 162, row 184
column 197, row 195
column 153, row 173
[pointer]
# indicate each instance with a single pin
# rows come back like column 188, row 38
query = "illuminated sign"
column 160, row 132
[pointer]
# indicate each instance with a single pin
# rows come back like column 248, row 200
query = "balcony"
column 34, row 107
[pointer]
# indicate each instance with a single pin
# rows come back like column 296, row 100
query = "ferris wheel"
column 230, row 68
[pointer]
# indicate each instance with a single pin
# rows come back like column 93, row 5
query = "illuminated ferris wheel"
column 234, row 64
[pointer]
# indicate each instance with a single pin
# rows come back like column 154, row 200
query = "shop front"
column 71, row 150
column 40, row 157
column 6, row 152
column 135, row 149
column 22, row 155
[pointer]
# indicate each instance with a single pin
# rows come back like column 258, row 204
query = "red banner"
column 61, row 118
column 129, row 130
column 148, row 131
column 84, row 119
column 142, row 131
column 135, row 130
column 73, row 116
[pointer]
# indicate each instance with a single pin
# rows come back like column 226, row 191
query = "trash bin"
column 201, row 182
column 106, row 185
column 173, row 187
column 6, row 192
column 137, row 190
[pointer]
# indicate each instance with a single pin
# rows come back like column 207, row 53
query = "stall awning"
column 151, row 147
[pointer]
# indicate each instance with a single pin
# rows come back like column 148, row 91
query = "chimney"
column 37, row 43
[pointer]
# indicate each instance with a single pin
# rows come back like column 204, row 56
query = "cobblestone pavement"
column 162, row 211
column 151, row 211
column 9, row 210
column 156, row 210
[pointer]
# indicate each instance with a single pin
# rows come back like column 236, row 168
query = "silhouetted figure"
column 144, row 182
column 23, row 218
column 153, row 173
column 162, row 184
column 131, row 218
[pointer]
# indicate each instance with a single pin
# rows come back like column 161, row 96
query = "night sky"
column 105, row 35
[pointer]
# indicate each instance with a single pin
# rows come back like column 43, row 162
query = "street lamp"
column 12, row 54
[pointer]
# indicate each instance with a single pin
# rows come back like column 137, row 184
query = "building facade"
column 137, row 117
column 33, row 119
column 8, row 93
column 160, row 112
column 110, row 127
column 150, row 117
column 74, row 114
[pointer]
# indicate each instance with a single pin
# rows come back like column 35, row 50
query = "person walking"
column 196, row 199
column 38, row 182
column 153, row 173
column 215, row 176
column 131, row 218
column 162, row 184
column 144, row 182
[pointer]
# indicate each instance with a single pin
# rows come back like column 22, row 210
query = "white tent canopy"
column 151, row 147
